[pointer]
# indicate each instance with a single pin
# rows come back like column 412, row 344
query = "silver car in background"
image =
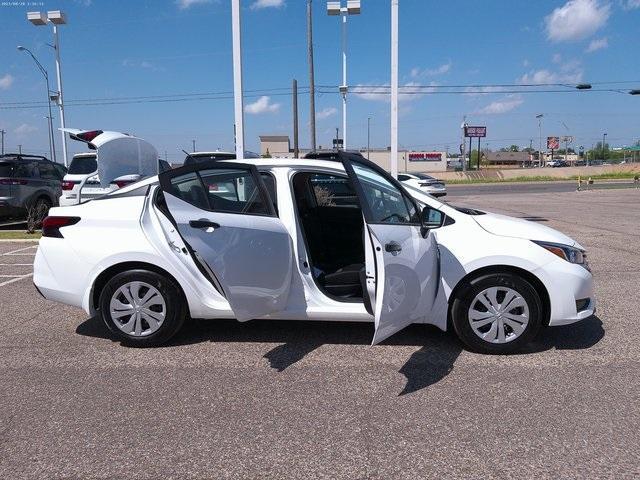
column 424, row 182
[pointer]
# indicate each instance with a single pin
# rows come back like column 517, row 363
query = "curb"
column 18, row 240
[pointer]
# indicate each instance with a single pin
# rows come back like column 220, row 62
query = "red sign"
column 425, row 156
column 475, row 132
column 553, row 143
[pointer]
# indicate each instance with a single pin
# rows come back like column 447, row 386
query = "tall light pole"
column 52, row 145
column 604, row 141
column 368, row 138
column 238, row 103
column 312, row 82
column 2, row 132
column 539, row 117
column 394, row 88
column 336, row 8
column 56, row 18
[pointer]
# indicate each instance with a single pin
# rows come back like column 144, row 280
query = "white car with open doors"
column 313, row 239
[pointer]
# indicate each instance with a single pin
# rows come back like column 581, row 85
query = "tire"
column 41, row 208
column 519, row 317
column 148, row 326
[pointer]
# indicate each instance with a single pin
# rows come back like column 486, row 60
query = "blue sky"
column 114, row 49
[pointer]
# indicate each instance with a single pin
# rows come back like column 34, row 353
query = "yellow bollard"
column 579, row 183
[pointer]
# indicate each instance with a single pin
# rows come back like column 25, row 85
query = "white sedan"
column 424, row 182
column 307, row 240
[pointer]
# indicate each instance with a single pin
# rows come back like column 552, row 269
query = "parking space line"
column 17, row 279
column 16, row 252
column 16, row 264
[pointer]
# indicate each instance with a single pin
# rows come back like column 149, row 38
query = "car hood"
column 519, row 228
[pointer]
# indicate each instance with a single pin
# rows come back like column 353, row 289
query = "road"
column 529, row 187
column 298, row 400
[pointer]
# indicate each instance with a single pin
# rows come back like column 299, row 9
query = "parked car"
column 284, row 249
column 559, row 163
column 83, row 182
column 28, row 181
column 424, row 182
column 197, row 157
column 580, row 163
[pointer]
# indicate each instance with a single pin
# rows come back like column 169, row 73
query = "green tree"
column 514, row 148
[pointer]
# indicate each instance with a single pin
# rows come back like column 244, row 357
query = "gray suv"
column 28, row 181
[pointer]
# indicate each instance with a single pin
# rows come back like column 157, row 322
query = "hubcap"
column 498, row 315
column 138, row 309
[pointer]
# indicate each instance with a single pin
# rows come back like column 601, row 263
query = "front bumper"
column 571, row 292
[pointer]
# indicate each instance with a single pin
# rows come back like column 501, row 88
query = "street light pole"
column 539, row 117
column 368, row 137
column 56, row 18
column 52, row 144
column 2, row 132
column 604, row 152
column 237, row 78
column 312, row 83
column 336, row 8
column 394, row 88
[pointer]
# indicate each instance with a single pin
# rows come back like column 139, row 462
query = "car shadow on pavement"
column 296, row 339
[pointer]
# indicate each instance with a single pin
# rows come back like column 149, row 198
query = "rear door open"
column 228, row 221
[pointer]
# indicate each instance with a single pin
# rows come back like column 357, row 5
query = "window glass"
column 47, row 171
column 387, row 203
column 333, row 191
column 6, row 169
column 26, row 170
column 402, row 178
column 188, row 187
column 221, row 190
column 83, row 165
column 270, row 184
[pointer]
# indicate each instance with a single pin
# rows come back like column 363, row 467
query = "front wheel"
column 142, row 308
column 497, row 313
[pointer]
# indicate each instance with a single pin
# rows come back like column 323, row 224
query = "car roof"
column 290, row 163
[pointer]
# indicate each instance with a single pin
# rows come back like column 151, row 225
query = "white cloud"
column 557, row 58
column 262, row 105
column 430, row 72
column 326, row 113
column 570, row 72
column 598, row 44
column 506, row 104
column 6, row 82
column 184, row 4
column 576, row 19
column 410, row 91
column 24, row 129
column 631, row 4
column 267, row 4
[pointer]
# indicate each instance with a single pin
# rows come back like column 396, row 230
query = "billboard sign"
column 553, row 143
column 425, row 156
column 475, row 132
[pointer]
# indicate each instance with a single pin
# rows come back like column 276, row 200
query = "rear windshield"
column 83, row 165
column 5, row 169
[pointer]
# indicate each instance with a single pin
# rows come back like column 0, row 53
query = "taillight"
column 68, row 184
column 51, row 225
column 88, row 136
column 122, row 183
column 12, row 181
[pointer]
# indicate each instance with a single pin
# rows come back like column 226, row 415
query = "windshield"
column 83, row 165
column 424, row 176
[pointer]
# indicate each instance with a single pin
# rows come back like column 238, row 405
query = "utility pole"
column 238, row 105
column 296, row 151
column 312, row 83
column 193, row 143
column 20, row 149
column 337, row 138
column 604, row 141
column 394, row 88
column 2, row 132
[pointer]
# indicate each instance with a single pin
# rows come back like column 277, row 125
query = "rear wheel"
column 40, row 211
column 142, row 308
column 497, row 313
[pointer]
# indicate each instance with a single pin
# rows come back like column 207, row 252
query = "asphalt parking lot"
column 314, row 400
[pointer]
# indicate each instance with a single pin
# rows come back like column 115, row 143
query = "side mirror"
column 431, row 218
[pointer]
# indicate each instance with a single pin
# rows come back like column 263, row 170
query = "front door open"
column 225, row 215
column 404, row 266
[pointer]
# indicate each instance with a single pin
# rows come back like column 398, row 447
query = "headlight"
column 565, row 252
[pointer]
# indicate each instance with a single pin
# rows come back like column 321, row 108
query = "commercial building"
column 408, row 161
column 518, row 159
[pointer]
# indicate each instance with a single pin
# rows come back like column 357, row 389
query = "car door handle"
column 393, row 247
column 203, row 224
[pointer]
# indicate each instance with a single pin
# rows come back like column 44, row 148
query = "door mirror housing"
column 431, row 218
